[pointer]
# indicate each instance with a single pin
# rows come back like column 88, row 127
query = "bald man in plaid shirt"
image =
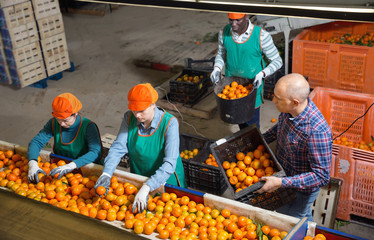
column 304, row 145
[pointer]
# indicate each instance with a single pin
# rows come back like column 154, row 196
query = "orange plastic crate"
column 356, row 167
column 340, row 66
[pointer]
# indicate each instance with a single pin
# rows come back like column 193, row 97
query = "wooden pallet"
column 174, row 53
column 203, row 109
column 96, row 9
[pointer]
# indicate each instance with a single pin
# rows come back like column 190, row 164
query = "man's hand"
column 62, row 170
column 215, row 76
column 258, row 79
column 34, row 170
column 271, row 184
column 141, row 199
column 104, row 180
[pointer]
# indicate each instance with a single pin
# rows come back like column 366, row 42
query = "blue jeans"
column 255, row 119
column 301, row 206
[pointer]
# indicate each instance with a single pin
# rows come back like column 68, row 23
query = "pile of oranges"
column 319, row 236
column 352, row 39
column 72, row 192
column 211, row 160
column 360, row 145
column 171, row 217
column 188, row 78
column 249, row 168
column 187, row 154
column 167, row 216
column 235, row 91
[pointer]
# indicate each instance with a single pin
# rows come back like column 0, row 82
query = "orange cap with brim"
column 141, row 97
column 236, row 15
column 64, row 105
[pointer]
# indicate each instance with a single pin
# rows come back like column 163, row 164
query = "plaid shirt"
column 304, row 148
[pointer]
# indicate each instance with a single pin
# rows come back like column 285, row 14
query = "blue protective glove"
column 34, row 170
column 104, row 180
column 141, row 199
column 62, row 170
column 258, row 79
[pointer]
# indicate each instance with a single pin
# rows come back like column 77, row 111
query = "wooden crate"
column 20, row 36
column 45, row 8
column 16, row 15
column 23, row 56
column 56, row 55
column 7, row 3
column 326, row 204
column 29, row 74
column 50, row 26
column 4, row 71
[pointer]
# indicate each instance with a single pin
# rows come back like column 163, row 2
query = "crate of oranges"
column 190, row 147
column 205, row 175
column 243, row 159
column 189, row 86
column 336, row 55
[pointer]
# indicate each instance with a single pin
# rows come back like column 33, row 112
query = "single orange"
column 100, row 190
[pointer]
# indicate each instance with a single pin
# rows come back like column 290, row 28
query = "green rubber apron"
column 244, row 60
column 78, row 146
column 146, row 152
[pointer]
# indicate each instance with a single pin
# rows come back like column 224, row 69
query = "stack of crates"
column 4, row 70
column 52, row 35
column 21, row 42
column 353, row 165
column 34, row 40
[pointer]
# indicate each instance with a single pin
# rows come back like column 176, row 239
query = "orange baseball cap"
column 141, row 97
column 236, row 15
column 64, row 105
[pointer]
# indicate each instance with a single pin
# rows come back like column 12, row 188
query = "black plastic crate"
column 206, row 178
column 189, row 88
column 244, row 141
column 190, row 142
column 270, row 81
column 205, row 65
column 188, row 98
column 269, row 201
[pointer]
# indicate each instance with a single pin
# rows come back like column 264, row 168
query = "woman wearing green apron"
column 150, row 136
column 74, row 137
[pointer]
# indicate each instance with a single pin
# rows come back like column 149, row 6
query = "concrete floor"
column 102, row 49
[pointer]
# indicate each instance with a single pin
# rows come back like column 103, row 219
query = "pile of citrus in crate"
column 180, row 218
column 360, row 145
column 319, row 236
column 187, row 78
column 211, row 160
column 249, row 168
column 235, row 91
column 352, row 39
column 187, row 154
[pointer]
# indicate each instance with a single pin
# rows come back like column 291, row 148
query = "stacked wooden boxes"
column 4, row 71
column 52, row 35
column 34, row 42
column 21, row 42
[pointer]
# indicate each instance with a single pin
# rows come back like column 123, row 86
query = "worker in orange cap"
column 74, row 137
column 241, row 46
column 150, row 136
